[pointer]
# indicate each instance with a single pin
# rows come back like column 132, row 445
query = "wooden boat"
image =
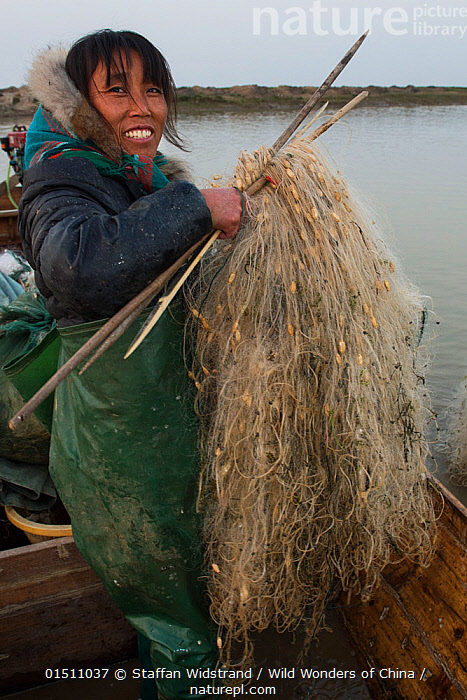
column 9, row 237
column 55, row 613
column 417, row 621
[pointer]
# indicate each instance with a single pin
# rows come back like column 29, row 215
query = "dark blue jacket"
column 95, row 242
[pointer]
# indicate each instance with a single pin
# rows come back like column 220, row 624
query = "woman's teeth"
column 138, row 134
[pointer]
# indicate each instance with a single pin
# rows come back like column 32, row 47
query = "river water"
column 409, row 165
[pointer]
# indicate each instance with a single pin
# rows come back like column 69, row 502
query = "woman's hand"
column 225, row 205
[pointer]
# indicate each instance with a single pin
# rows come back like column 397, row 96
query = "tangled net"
column 305, row 346
column 457, row 437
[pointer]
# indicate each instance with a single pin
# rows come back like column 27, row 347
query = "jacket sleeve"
column 91, row 258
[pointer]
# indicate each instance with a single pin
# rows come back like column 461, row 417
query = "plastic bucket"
column 36, row 532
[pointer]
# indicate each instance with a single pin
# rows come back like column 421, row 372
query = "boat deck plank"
column 55, row 613
column 418, row 618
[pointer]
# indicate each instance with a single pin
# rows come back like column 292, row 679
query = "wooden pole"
column 147, row 295
column 316, row 96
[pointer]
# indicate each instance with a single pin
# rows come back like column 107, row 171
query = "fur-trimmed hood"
column 50, row 85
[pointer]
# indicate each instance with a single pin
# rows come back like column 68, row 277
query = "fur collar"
column 49, row 83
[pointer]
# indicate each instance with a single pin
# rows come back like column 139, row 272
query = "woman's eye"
column 116, row 88
column 155, row 90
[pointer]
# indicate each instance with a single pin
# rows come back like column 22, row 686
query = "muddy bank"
column 255, row 95
column 17, row 102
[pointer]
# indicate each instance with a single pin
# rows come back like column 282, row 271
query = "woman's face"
column 136, row 113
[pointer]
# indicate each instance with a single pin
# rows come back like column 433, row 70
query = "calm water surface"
column 410, row 166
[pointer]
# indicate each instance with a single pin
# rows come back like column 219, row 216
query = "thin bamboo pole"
column 151, row 290
column 338, row 115
column 312, row 121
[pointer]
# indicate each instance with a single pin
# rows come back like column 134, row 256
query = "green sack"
column 124, row 460
column 30, row 371
column 28, row 358
column 30, row 441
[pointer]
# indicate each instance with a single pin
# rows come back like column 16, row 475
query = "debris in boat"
column 15, row 266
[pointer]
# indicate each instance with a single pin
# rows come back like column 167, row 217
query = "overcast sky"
column 237, row 42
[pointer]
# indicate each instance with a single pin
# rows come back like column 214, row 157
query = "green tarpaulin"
column 28, row 357
column 125, row 462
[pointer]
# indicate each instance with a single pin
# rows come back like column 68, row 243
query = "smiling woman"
column 103, row 213
column 98, row 68
column 133, row 106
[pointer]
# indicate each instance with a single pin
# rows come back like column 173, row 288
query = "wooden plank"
column 15, row 192
column 43, row 569
column 454, row 515
column 14, row 180
column 80, row 629
column 418, row 619
column 9, row 236
column 55, row 612
column 386, row 641
column 387, row 638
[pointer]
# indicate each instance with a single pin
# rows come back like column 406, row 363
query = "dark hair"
column 112, row 47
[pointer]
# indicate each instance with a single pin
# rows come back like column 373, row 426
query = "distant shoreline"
column 284, row 95
column 16, row 102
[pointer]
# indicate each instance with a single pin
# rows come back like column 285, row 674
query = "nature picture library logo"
column 322, row 19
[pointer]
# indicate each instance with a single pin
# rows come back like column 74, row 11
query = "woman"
column 102, row 214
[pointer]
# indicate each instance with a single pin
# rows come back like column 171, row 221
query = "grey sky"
column 220, row 42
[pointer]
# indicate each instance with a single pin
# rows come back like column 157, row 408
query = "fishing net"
column 457, row 437
column 308, row 369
